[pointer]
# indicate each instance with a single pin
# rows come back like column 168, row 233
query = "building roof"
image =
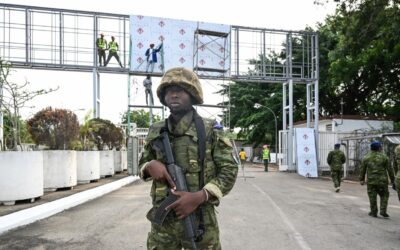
column 348, row 117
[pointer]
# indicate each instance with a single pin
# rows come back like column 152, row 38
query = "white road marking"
column 300, row 240
column 318, row 190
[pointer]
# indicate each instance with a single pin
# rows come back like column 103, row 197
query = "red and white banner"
column 306, row 152
column 178, row 44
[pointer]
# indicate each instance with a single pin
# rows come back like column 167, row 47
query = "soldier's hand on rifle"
column 187, row 202
column 158, row 171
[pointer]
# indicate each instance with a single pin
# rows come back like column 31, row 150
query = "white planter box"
column 88, row 166
column 124, row 160
column 117, row 162
column 21, row 176
column 59, row 169
column 106, row 163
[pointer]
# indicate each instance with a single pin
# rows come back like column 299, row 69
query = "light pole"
column 257, row 106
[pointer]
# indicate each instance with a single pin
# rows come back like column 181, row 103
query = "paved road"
column 266, row 211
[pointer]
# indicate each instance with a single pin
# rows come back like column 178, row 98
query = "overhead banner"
column 306, row 152
column 158, row 44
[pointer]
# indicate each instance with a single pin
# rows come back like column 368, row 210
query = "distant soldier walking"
column 336, row 158
column 397, row 163
column 377, row 167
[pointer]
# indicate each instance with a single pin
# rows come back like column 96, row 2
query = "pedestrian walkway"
column 51, row 203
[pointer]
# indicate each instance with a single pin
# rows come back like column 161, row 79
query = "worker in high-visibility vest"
column 113, row 51
column 265, row 156
column 101, row 44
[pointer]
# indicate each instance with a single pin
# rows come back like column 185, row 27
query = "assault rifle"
column 179, row 179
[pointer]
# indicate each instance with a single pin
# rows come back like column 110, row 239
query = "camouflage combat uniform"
column 335, row 159
column 220, row 168
column 397, row 162
column 377, row 167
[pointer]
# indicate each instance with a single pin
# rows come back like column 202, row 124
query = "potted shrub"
column 103, row 136
column 21, row 172
column 57, row 129
column 87, row 157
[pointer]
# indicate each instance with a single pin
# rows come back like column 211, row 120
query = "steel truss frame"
column 276, row 56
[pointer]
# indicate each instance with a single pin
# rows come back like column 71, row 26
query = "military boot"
column 373, row 214
column 384, row 214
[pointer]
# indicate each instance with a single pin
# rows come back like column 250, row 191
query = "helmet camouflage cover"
column 183, row 78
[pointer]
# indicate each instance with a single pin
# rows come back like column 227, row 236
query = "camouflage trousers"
column 171, row 235
column 373, row 192
column 336, row 177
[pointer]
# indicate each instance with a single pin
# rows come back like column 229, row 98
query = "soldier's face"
column 177, row 99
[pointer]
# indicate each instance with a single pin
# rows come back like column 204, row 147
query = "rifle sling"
column 201, row 135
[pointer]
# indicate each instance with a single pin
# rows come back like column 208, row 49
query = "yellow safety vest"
column 113, row 46
column 101, row 43
column 265, row 154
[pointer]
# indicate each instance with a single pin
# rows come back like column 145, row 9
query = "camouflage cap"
column 184, row 78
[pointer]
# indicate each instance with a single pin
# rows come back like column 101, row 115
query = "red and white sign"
column 306, row 152
column 178, row 43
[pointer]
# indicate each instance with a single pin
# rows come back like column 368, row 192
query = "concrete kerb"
column 30, row 215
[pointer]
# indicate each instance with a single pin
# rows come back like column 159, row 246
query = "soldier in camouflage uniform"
column 179, row 90
column 336, row 158
column 397, row 163
column 377, row 166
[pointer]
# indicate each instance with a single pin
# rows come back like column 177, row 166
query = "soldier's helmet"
column 337, row 145
column 184, row 78
column 376, row 145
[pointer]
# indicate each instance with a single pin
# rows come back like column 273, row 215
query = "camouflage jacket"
column 377, row 167
column 220, row 168
column 397, row 159
column 335, row 159
column 397, row 166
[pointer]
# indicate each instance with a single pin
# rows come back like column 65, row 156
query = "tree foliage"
column 56, row 128
column 14, row 97
column 359, row 61
column 140, row 117
column 8, row 132
column 105, row 134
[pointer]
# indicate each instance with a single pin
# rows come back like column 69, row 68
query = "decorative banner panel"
column 306, row 152
column 174, row 44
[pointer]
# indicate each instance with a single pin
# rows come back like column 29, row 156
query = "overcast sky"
column 76, row 88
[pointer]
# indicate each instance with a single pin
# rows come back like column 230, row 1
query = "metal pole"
column 1, row 118
column 276, row 129
column 128, row 112
column 316, row 93
column 96, row 93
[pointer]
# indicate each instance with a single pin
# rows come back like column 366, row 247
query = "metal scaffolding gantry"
column 60, row 39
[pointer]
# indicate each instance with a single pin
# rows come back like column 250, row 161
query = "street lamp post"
column 257, row 105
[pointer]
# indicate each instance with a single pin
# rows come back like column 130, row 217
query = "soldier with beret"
column 335, row 159
column 179, row 90
column 377, row 167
